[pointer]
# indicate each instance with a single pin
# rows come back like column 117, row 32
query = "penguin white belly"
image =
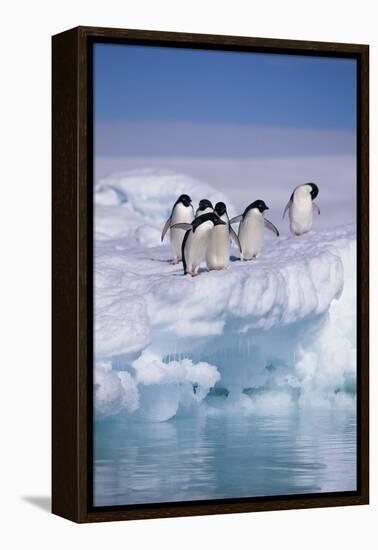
column 181, row 214
column 196, row 245
column 251, row 235
column 218, row 250
column 300, row 214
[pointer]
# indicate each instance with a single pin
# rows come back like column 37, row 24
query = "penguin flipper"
column 235, row 238
column 287, row 207
column 269, row 225
column 236, row 219
column 182, row 225
column 315, row 207
column 165, row 228
column 183, row 252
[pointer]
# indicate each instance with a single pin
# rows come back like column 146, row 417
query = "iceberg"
column 261, row 335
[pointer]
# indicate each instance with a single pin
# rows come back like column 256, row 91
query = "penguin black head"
column 314, row 190
column 204, row 203
column 185, row 200
column 259, row 204
column 220, row 208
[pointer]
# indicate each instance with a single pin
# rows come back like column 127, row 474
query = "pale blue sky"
column 250, row 125
column 155, row 83
column 178, row 102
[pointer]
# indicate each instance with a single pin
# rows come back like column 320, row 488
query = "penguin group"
column 206, row 234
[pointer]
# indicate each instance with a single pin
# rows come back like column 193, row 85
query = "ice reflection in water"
column 197, row 458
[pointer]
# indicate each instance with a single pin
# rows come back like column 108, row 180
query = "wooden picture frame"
column 72, row 299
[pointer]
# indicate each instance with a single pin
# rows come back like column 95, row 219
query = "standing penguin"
column 182, row 211
column 301, row 205
column 196, row 240
column 204, row 207
column 218, row 250
column 251, row 229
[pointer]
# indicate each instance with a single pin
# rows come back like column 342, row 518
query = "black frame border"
column 81, row 42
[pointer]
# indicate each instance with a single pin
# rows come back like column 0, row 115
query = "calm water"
column 198, row 458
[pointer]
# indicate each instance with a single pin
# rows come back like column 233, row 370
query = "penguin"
column 301, row 206
column 182, row 211
column 204, row 207
column 251, row 229
column 196, row 240
column 218, row 250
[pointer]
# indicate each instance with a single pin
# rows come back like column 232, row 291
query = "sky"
column 185, row 102
column 228, row 118
column 155, row 83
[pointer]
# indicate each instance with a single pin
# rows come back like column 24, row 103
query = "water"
column 199, row 457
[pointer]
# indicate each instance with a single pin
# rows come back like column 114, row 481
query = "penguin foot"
column 194, row 274
column 174, row 261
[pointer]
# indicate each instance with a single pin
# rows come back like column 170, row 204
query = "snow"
column 137, row 203
column 273, row 333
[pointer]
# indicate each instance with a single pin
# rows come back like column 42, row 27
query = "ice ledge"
column 140, row 297
column 296, row 278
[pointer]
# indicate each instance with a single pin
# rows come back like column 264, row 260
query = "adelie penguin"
column 196, row 240
column 301, row 206
column 204, row 207
column 218, row 250
column 182, row 211
column 251, row 229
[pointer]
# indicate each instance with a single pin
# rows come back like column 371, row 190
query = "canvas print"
column 224, row 274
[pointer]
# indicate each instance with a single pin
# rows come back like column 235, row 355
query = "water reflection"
column 197, row 458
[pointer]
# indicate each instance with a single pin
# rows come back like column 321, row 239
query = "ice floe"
column 265, row 334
